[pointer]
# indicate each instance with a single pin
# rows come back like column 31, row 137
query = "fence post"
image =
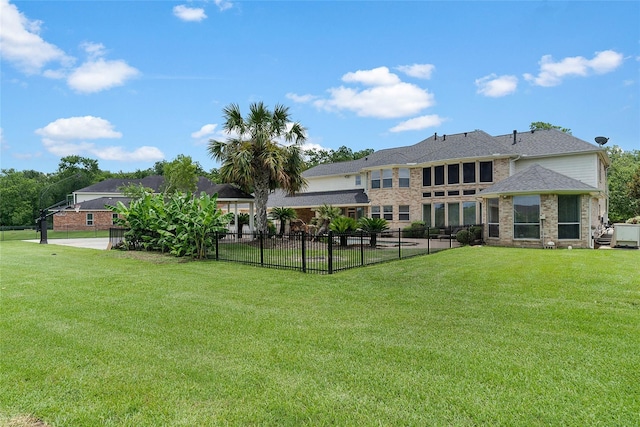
column 361, row 247
column 428, row 240
column 217, row 237
column 450, row 239
column 304, row 252
column 261, row 249
column 330, row 250
column 399, row 243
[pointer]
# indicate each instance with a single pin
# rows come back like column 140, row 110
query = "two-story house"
column 526, row 188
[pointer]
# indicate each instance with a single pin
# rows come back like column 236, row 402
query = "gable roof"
column 466, row 145
column 155, row 182
column 539, row 180
column 335, row 198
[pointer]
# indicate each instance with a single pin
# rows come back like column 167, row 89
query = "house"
column 526, row 188
column 89, row 211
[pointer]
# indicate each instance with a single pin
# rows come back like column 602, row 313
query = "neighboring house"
column 90, row 212
column 527, row 188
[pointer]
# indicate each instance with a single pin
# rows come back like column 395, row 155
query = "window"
column 468, row 213
column 453, row 174
column 438, row 215
column 439, row 194
column 493, row 217
column 453, row 214
column 426, row 177
column 375, row 179
column 89, row 218
column 387, row 178
column 403, row 177
column 468, row 192
column 453, row 193
column 468, row 173
column 387, row 212
column 426, row 194
column 486, row 171
column 426, row 214
column 526, row 217
column 439, row 175
column 568, row 217
column 375, row 211
column 403, row 213
column 114, row 217
column 358, row 180
column 359, row 212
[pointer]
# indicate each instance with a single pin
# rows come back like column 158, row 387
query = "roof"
column 335, row 198
column 101, row 202
column 537, row 179
column 156, row 182
column 466, row 145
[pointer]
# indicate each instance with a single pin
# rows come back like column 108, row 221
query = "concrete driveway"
column 89, row 243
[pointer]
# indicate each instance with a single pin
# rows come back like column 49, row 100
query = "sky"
column 130, row 83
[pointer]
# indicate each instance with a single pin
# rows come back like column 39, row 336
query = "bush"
column 416, row 230
column 476, row 230
column 634, row 220
column 465, row 237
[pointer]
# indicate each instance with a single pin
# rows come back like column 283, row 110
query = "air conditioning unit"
column 626, row 235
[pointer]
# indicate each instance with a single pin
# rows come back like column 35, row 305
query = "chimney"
column 515, row 133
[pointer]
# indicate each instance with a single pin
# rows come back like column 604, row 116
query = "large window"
column 387, row 212
column 439, row 175
column 469, row 173
column 403, row 212
column 89, row 218
column 469, row 213
column 403, row 177
column 387, row 178
column 493, row 219
column 526, row 217
column 375, row 211
column 438, row 215
column 486, row 171
column 426, row 177
column 453, row 174
column 453, row 215
column 568, row 217
column 375, row 179
column 426, row 214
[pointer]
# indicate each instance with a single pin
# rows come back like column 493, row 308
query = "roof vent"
column 435, row 135
column 465, row 134
column 515, row 132
column 444, row 137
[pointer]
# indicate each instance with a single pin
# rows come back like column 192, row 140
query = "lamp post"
column 42, row 220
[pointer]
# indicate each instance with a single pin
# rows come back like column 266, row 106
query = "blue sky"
column 132, row 82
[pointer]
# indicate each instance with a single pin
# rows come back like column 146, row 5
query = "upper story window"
column 486, row 171
column 375, row 179
column 387, row 178
column 403, row 177
column 358, row 180
column 469, row 173
column 453, row 174
column 426, row 177
column 439, row 175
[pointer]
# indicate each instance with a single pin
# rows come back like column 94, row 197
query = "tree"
column 254, row 159
column 316, row 157
column 547, row 126
column 20, row 193
column 283, row 215
column 624, row 202
column 343, row 225
column 180, row 175
column 326, row 213
column 373, row 226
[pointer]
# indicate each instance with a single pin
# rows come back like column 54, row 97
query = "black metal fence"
column 329, row 253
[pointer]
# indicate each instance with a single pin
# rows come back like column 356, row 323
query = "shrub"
column 634, row 220
column 417, row 229
column 465, row 237
column 476, row 230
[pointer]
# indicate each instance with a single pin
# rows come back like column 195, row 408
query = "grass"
column 470, row 336
column 8, row 235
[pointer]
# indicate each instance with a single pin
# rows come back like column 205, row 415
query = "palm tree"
column 373, row 226
column 326, row 213
column 343, row 225
column 283, row 215
column 254, row 160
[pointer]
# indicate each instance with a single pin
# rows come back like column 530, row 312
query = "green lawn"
column 6, row 235
column 469, row 336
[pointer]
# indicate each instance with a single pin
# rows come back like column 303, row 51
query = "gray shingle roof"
column 101, row 202
column 537, row 179
column 546, row 142
column 336, row 198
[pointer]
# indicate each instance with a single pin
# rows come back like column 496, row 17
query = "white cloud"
column 93, row 50
column 420, row 71
column 223, row 4
column 418, row 123
column 64, row 137
column 21, row 43
column 302, row 99
column 97, row 75
column 552, row 73
column 495, row 87
column 388, row 96
column 205, row 130
column 189, row 14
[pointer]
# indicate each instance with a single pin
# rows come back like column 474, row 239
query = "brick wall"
column 77, row 221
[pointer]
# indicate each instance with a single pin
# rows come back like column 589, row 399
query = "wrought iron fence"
column 329, row 253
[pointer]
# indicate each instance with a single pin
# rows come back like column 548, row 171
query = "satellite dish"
column 601, row 140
